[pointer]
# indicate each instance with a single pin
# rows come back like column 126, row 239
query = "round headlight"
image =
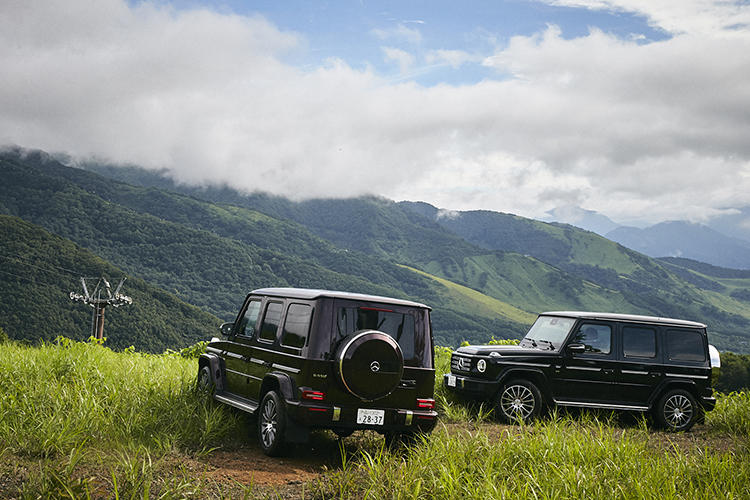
column 481, row 365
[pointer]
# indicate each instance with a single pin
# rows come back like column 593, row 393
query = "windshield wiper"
column 532, row 342
column 551, row 345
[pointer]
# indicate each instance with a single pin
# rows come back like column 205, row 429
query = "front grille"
column 460, row 364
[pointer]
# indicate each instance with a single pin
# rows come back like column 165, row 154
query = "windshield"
column 548, row 332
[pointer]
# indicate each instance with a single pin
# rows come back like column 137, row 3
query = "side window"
column 271, row 321
column 296, row 325
column 250, row 319
column 596, row 338
column 685, row 345
column 638, row 342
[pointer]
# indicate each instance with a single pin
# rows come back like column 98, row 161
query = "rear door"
column 640, row 365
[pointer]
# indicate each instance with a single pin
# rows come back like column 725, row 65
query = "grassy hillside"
column 208, row 254
column 355, row 244
column 37, row 272
column 80, row 420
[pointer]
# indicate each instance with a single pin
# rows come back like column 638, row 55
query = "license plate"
column 370, row 417
column 451, row 381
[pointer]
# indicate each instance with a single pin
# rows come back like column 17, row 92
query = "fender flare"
column 282, row 382
column 216, row 367
column 535, row 375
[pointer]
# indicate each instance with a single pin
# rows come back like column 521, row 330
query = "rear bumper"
column 314, row 415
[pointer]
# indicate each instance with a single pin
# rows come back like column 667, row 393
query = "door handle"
column 608, row 371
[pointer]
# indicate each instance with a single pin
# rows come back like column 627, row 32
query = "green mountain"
column 524, row 263
column 38, row 270
column 485, row 273
column 211, row 255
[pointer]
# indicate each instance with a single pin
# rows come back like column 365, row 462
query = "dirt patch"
column 249, row 466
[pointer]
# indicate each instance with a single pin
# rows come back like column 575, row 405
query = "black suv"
column 595, row 360
column 303, row 359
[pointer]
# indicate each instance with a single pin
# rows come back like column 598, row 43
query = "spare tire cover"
column 370, row 364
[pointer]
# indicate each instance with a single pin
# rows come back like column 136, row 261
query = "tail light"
column 314, row 395
column 426, row 404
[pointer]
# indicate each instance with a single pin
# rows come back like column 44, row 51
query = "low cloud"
column 652, row 130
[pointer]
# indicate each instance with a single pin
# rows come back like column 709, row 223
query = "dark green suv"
column 303, row 359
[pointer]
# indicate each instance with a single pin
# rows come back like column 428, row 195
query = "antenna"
column 100, row 299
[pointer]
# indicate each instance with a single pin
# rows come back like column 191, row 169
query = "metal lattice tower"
column 100, row 298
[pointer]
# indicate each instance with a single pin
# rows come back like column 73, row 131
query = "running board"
column 239, row 403
column 601, row 405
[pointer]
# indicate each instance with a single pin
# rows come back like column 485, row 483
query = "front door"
column 240, row 380
column 587, row 376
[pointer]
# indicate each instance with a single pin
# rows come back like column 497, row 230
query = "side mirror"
column 576, row 348
column 226, row 329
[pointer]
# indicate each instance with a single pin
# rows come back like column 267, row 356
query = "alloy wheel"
column 678, row 411
column 517, row 401
column 269, row 423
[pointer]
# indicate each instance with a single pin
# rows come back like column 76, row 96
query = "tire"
column 204, row 384
column 677, row 411
column 370, row 364
column 271, row 424
column 518, row 401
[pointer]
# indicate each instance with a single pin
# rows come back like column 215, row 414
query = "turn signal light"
column 426, row 404
column 314, row 395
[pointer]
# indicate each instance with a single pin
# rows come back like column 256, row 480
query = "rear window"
column 296, row 325
column 271, row 321
column 638, row 342
column 407, row 326
column 685, row 345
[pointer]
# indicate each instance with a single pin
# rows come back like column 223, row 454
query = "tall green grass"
column 59, row 396
column 68, row 406
column 556, row 458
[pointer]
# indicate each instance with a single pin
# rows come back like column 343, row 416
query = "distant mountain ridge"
column 684, row 239
column 485, row 273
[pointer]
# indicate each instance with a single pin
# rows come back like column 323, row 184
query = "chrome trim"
column 584, row 368
column 520, row 363
column 257, row 361
column 683, row 375
column 633, row 372
column 601, row 405
column 234, row 355
column 285, row 368
column 213, row 350
column 242, row 374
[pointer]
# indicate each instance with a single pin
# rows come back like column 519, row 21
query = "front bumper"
column 470, row 387
column 315, row 415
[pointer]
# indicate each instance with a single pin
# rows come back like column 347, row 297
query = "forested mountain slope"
column 211, row 255
column 529, row 264
column 215, row 244
column 37, row 272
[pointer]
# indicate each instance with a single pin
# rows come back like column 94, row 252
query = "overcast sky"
column 637, row 109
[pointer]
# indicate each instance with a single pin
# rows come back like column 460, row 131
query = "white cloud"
column 454, row 58
column 400, row 32
column 401, row 57
column 656, row 130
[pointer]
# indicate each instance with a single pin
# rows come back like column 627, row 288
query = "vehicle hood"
column 504, row 350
